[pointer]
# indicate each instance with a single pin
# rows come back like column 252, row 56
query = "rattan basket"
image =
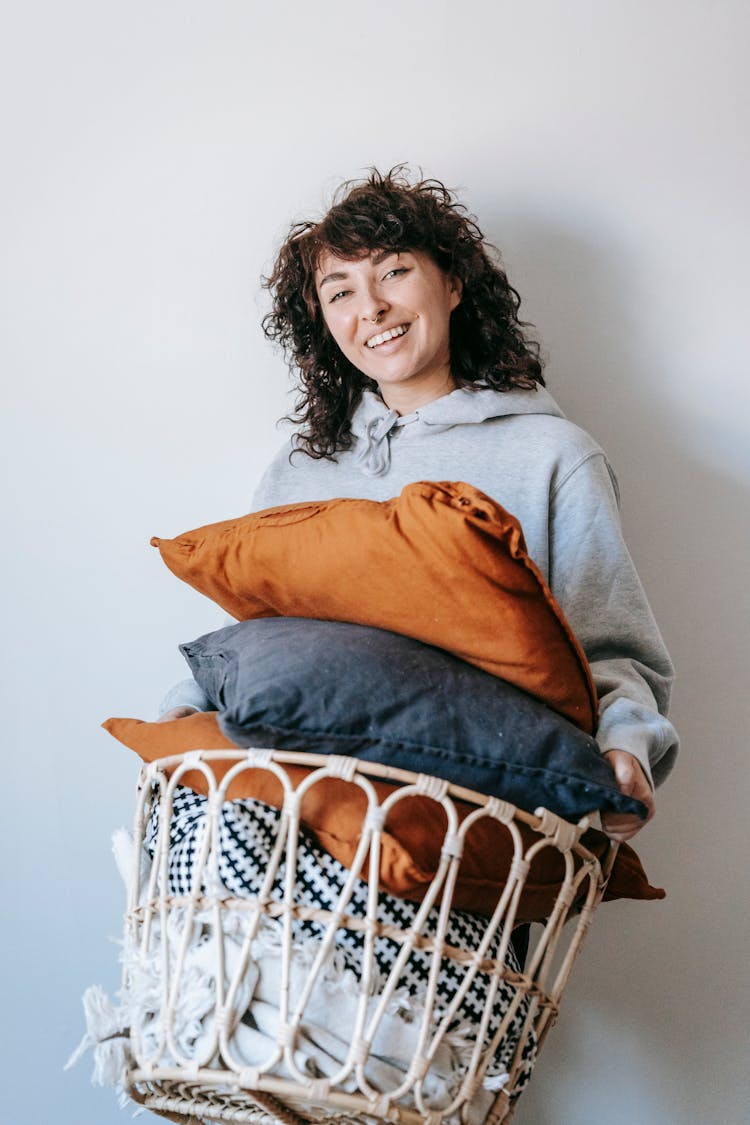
column 216, row 1084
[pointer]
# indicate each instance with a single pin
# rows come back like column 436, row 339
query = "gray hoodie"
column 518, row 447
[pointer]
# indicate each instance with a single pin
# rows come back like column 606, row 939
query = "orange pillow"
column 410, row 848
column 442, row 563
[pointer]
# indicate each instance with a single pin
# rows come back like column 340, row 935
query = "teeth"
column 389, row 334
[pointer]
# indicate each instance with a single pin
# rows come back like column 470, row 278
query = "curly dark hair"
column 488, row 346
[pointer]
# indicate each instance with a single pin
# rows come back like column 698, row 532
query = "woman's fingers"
column 632, row 782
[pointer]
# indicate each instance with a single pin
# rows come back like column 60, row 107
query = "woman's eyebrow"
column 381, row 256
column 376, row 259
column 332, row 277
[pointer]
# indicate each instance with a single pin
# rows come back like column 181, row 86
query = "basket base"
column 188, row 1103
column 196, row 1104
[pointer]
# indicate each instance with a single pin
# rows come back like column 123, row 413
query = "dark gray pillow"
column 328, row 687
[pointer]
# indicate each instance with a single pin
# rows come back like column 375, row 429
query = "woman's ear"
column 457, row 288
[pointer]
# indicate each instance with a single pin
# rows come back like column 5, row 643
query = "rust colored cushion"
column 410, row 848
column 442, row 563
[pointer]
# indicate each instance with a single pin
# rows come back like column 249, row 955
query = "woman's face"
column 389, row 313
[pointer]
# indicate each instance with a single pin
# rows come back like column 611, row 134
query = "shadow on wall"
column 647, row 969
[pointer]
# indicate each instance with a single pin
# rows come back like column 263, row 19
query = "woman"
column 413, row 365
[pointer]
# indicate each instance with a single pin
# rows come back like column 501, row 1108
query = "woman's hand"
column 632, row 782
column 177, row 713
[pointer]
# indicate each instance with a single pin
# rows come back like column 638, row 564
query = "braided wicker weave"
column 216, row 1086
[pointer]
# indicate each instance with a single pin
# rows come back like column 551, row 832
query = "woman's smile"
column 387, row 335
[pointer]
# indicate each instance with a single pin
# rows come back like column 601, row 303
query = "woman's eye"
column 397, row 270
column 337, row 296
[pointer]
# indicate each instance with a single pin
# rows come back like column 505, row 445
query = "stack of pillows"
column 414, row 632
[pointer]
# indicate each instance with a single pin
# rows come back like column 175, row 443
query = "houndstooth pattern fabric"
column 247, row 833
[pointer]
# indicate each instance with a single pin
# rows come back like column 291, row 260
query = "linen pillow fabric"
column 336, row 688
column 442, row 563
column 411, row 842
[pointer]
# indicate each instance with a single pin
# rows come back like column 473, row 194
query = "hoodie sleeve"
column 186, row 693
column 594, row 579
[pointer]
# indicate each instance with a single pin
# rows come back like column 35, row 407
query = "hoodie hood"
column 373, row 423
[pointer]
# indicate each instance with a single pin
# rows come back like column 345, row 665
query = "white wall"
column 153, row 153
